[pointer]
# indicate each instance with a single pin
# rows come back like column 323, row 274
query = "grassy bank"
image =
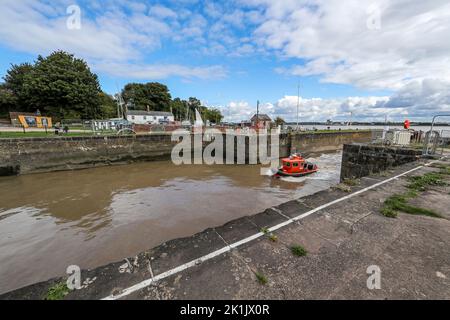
column 50, row 134
column 399, row 202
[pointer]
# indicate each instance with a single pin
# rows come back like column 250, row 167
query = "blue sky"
column 369, row 58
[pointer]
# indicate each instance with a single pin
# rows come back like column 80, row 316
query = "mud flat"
column 341, row 229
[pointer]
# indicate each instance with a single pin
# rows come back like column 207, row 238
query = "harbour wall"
column 33, row 155
column 361, row 160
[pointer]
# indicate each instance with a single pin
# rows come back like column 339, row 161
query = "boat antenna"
column 119, row 102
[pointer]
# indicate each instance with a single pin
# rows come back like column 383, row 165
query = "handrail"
column 427, row 149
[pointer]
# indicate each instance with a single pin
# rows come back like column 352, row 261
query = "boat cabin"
column 296, row 164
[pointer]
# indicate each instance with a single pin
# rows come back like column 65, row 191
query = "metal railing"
column 433, row 137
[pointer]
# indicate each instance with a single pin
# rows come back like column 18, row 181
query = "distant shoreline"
column 395, row 124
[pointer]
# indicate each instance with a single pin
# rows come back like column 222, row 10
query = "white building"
column 149, row 117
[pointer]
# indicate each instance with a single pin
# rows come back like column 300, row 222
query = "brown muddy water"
column 96, row 216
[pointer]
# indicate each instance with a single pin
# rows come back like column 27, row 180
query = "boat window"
column 295, row 164
column 305, row 165
column 287, row 164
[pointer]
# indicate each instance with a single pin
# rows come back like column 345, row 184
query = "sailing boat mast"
column 298, row 106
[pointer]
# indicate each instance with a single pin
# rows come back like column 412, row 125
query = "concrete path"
column 343, row 240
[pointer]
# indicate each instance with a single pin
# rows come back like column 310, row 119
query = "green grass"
column 265, row 230
column 389, row 212
column 445, row 169
column 397, row 203
column 262, row 279
column 343, row 187
column 421, row 183
column 273, row 237
column 57, row 292
column 50, row 134
column 351, row 182
column 298, row 251
column 384, row 174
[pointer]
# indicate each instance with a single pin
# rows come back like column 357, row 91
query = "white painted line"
column 246, row 240
column 219, row 252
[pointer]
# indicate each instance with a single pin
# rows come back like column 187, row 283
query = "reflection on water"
column 96, row 216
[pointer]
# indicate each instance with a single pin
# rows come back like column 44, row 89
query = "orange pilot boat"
column 296, row 166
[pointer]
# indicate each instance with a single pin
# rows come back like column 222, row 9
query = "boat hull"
column 281, row 173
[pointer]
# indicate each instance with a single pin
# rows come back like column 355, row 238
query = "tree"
column 8, row 100
column 279, row 121
column 214, row 115
column 63, row 86
column 211, row 115
column 154, row 95
column 179, row 109
column 108, row 106
column 12, row 91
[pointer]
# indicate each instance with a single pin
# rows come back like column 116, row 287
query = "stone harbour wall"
column 33, row 155
column 21, row 156
column 360, row 160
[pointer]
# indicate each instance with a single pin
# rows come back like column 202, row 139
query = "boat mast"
column 257, row 114
column 298, row 105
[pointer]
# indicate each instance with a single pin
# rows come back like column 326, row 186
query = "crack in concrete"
column 280, row 213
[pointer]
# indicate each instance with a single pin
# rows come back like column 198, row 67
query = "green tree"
column 194, row 103
column 12, row 91
column 279, row 121
column 108, row 106
column 179, row 109
column 62, row 86
column 154, row 95
column 8, row 101
column 213, row 115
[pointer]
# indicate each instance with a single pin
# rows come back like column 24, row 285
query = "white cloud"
column 335, row 41
column 162, row 12
column 160, row 71
column 408, row 54
column 115, row 36
column 419, row 100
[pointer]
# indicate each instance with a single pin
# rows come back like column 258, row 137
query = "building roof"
column 261, row 117
column 149, row 113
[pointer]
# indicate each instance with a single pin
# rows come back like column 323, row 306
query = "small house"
column 150, row 117
column 261, row 121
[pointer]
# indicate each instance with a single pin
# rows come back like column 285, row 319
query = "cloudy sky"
column 372, row 58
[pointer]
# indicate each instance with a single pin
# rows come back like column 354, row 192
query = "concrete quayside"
column 341, row 229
